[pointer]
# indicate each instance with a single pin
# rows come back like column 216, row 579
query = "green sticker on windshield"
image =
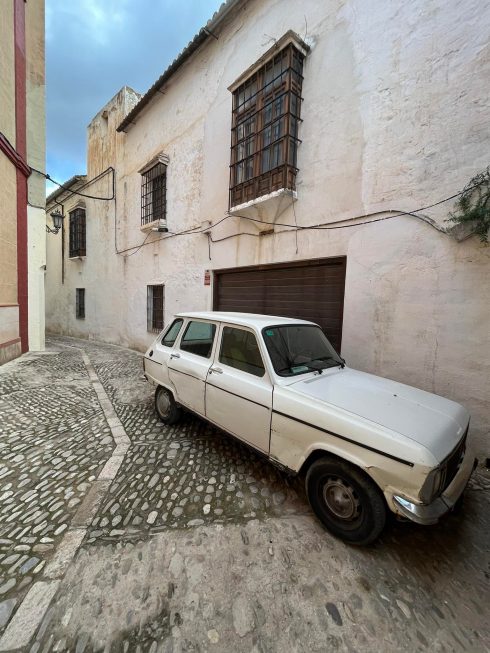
column 269, row 332
column 299, row 369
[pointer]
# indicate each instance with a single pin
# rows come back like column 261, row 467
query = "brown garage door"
column 308, row 290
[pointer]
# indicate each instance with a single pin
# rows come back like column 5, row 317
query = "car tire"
column 457, row 509
column 166, row 407
column 348, row 503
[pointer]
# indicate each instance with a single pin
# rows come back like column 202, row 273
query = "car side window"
column 198, row 338
column 170, row 336
column 239, row 349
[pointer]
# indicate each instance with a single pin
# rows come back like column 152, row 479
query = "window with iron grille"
column 154, row 194
column 77, row 233
column 264, row 134
column 80, row 303
column 155, row 307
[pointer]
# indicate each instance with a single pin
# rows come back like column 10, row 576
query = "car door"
column 189, row 363
column 156, row 363
column 239, row 389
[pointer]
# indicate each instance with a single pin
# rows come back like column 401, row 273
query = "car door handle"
column 217, row 370
column 174, row 355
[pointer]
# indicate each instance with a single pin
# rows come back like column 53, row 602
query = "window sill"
column 77, row 258
column 267, row 208
column 155, row 225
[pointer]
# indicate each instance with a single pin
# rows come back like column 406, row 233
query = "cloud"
column 93, row 48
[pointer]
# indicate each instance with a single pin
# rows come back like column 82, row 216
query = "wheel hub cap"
column 341, row 499
column 163, row 403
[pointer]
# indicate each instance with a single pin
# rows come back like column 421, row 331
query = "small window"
column 77, row 233
column 80, row 303
column 155, row 308
column 239, row 349
column 170, row 337
column 154, row 194
column 198, row 338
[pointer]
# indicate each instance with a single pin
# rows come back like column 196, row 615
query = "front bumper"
column 427, row 514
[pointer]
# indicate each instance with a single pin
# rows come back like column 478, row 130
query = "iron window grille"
column 155, row 308
column 154, row 194
column 77, row 233
column 80, row 303
column 264, row 134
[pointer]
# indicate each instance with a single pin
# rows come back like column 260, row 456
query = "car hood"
column 432, row 421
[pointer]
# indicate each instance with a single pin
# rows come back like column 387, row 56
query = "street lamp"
column 58, row 218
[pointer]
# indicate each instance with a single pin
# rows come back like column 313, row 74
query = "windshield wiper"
column 340, row 362
column 302, row 367
column 314, row 368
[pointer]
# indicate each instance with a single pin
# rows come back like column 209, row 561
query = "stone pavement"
column 184, row 540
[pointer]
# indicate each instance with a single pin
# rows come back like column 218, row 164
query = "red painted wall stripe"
column 21, row 147
column 10, row 152
column 9, row 343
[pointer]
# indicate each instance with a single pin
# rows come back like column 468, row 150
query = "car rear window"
column 198, row 338
column 172, row 332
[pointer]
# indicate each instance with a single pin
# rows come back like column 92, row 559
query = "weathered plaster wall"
column 36, row 157
column 395, row 117
column 37, row 262
column 62, row 275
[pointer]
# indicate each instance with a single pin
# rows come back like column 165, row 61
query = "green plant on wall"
column 473, row 205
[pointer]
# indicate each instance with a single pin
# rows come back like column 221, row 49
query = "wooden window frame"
column 154, row 193
column 155, row 315
column 276, row 83
column 80, row 303
column 78, row 233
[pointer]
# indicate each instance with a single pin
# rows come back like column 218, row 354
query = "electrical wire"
column 295, row 224
column 91, row 181
column 137, row 249
column 328, row 225
column 172, row 234
column 320, row 226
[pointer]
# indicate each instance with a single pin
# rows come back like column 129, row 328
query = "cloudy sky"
column 93, row 47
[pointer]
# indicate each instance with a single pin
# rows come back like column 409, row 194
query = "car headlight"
column 431, row 485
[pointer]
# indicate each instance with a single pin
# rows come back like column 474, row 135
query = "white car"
column 366, row 444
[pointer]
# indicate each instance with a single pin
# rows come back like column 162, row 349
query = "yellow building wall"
column 7, row 71
column 8, row 232
column 9, row 310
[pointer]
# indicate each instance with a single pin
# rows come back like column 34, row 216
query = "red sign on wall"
column 207, row 278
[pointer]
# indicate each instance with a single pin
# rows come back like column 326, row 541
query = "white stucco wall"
column 36, row 157
column 36, row 243
column 395, row 117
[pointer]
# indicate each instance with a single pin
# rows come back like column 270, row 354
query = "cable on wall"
column 326, row 226
column 87, row 183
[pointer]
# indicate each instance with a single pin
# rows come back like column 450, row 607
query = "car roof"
column 244, row 319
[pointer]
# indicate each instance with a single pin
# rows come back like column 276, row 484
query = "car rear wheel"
column 347, row 501
column 166, row 407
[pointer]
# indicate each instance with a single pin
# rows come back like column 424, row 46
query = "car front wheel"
column 166, row 407
column 346, row 500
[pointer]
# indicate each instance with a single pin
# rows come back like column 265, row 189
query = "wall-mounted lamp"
column 58, row 218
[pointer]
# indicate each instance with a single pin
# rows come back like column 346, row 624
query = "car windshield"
column 299, row 348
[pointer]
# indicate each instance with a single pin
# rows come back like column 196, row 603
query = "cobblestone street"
column 120, row 534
